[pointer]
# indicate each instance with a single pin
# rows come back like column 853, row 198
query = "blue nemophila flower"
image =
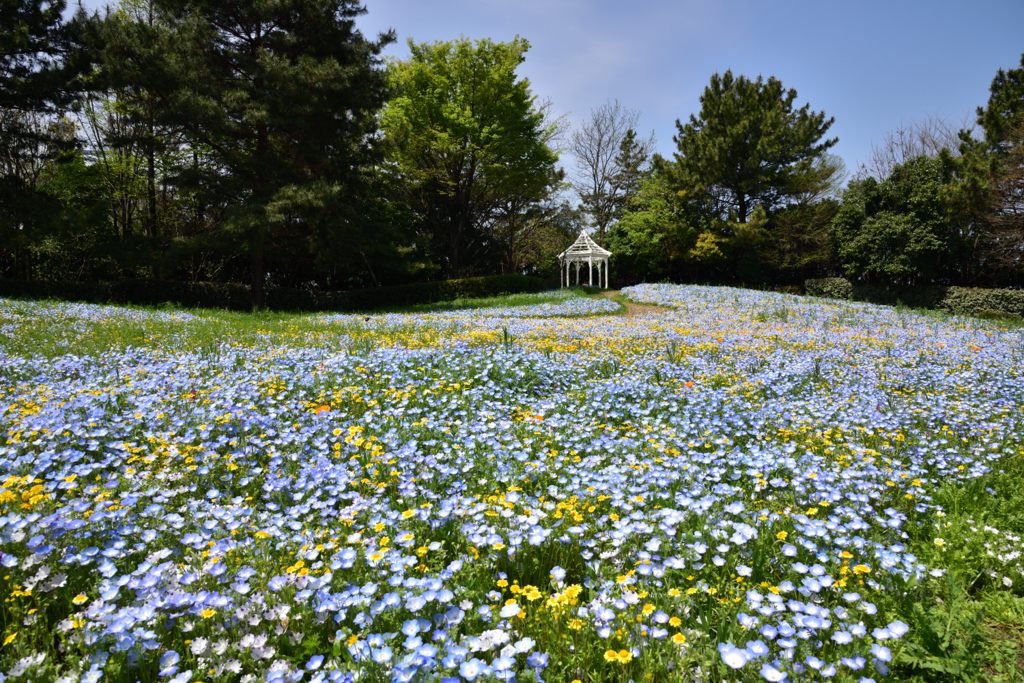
column 472, row 668
column 732, row 656
column 770, row 673
column 298, row 503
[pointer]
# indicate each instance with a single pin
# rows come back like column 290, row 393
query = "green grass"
column 509, row 300
column 968, row 626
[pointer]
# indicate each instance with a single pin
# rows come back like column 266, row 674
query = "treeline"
column 270, row 144
column 753, row 196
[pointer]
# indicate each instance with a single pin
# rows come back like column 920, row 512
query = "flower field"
column 748, row 486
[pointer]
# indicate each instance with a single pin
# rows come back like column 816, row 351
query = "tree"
column 523, row 218
column 1003, row 249
column 283, row 93
column 656, row 232
column 30, row 146
column 902, row 230
column 40, row 79
column 1002, row 113
column 466, row 139
column 40, row 61
column 610, row 161
column 797, row 245
column 921, row 137
column 747, row 145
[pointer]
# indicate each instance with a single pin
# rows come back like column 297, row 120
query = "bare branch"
column 921, row 137
column 595, row 147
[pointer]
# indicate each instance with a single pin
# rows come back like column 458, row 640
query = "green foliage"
column 236, row 297
column 655, row 233
column 899, row 230
column 949, row 641
column 1004, row 108
column 748, row 145
column 797, row 242
column 282, row 94
column 1002, row 304
column 40, row 67
column 464, row 136
column 974, row 300
column 830, row 288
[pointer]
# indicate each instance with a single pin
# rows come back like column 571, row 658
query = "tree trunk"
column 257, row 276
column 151, row 172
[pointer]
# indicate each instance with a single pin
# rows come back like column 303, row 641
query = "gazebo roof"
column 584, row 247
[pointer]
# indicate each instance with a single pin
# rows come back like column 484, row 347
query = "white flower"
column 198, row 646
column 509, row 610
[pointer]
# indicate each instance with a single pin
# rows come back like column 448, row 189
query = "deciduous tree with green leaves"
column 465, row 137
column 748, row 145
column 902, row 230
column 656, row 232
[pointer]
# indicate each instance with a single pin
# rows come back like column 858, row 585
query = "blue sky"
column 870, row 64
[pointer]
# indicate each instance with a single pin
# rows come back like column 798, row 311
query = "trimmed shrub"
column 66, row 291
column 185, row 294
column 829, row 288
column 402, row 295
column 957, row 300
column 972, row 301
column 236, row 297
column 894, row 295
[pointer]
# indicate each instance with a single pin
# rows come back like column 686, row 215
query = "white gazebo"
column 584, row 250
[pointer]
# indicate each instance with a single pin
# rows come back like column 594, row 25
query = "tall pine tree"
column 747, row 145
column 284, row 93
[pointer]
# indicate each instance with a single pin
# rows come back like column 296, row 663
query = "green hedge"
column 236, row 297
column 829, row 288
column 956, row 300
column 138, row 292
column 974, row 301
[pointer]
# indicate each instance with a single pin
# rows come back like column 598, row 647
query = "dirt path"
column 636, row 309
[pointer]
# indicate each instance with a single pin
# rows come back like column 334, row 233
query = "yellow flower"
column 648, row 609
column 679, row 639
column 781, row 535
column 8, row 639
column 502, row 583
column 79, row 599
column 611, row 656
column 862, row 569
column 207, row 613
column 625, row 656
column 674, row 622
column 408, row 513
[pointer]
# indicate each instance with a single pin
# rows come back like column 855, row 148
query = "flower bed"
column 730, row 490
